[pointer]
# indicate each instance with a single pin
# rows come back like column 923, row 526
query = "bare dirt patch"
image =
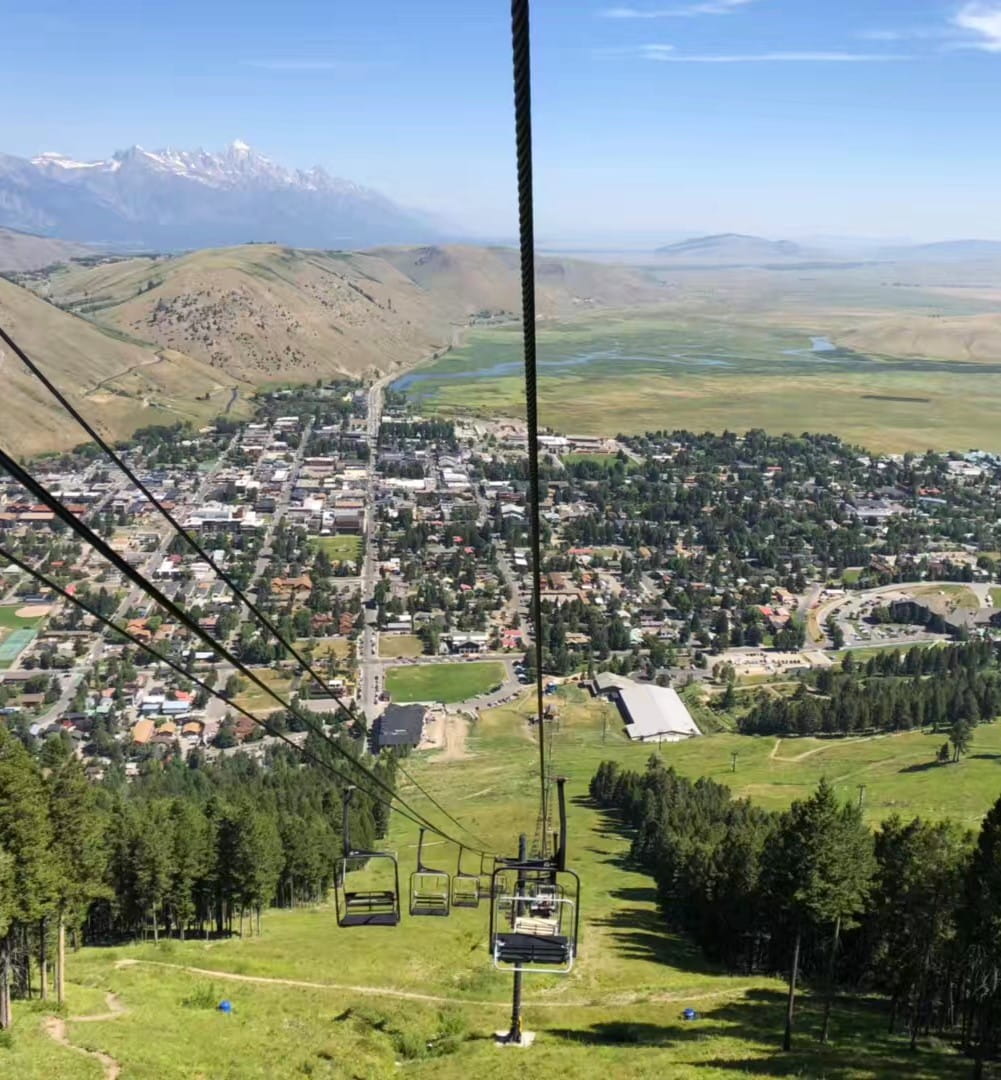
column 55, row 1028
column 33, row 611
column 447, row 732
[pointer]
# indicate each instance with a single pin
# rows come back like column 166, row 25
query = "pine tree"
column 152, row 861
column 26, row 838
column 961, row 737
column 818, row 868
column 79, row 852
column 190, row 863
column 912, row 921
column 981, row 927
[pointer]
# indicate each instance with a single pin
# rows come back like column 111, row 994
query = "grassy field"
column 424, row 997
column 392, row 646
column 332, row 646
column 638, row 372
column 444, row 682
column 253, row 697
column 957, row 597
column 896, row 771
column 606, row 461
column 10, row 621
column 340, row 548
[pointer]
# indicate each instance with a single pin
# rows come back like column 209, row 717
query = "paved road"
column 853, row 600
column 370, row 684
column 133, row 596
column 281, row 505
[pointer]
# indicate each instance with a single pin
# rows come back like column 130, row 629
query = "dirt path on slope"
column 55, row 1028
column 456, row 733
column 849, row 741
column 435, row 999
column 799, row 757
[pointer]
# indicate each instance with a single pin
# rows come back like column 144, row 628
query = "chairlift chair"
column 465, row 887
column 430, row 890
column 486, row 881
column 536, row 928
column 365, row 907
column 535, row 931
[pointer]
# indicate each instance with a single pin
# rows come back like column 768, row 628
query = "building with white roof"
column 652, row 713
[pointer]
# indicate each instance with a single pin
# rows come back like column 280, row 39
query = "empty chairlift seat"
column 430, row 890
column 465, row 887
column 367, row 883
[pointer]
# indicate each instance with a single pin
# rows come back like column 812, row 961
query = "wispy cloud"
column 294, row 65
column 667, row 54
column 983, row 20
column 908, row 33
column 686, row 11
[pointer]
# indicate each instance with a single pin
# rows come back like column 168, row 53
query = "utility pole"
column 733, row 761
column 861, row 795
column 514, row 1035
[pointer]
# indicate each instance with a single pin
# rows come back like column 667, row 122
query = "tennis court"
column 11, row 646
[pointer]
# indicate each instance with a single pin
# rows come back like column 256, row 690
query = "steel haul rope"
column 202, row 553
column 521, row 52
column 99, row 545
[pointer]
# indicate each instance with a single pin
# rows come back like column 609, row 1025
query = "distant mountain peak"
column 171, row 198
column 733, row 247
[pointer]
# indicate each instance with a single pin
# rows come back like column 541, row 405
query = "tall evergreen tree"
column 26, row 838
column 981, row 928
column 79, row 853
column 818, row 872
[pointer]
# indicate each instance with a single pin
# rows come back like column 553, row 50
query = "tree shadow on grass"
column 639, row 894
column 922, row 766
column 641, row 934
column 860, row 1046
column 619, row 1033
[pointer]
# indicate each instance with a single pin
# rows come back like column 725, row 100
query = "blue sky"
column 653, row 118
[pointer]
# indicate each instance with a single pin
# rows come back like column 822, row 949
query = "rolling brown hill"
column 140, row 339
column 975, row 338
column 263, row 313
column 470, row 280
column 266, row 313
column 23, row 251
column 117, row 384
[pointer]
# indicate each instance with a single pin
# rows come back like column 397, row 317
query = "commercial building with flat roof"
column 399, row 725
column 652, row 713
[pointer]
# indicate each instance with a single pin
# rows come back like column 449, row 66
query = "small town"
column 393, row 550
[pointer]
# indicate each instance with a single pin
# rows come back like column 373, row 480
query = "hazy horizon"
column 778, row 118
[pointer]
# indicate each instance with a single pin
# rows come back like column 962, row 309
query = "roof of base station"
column 655, row 710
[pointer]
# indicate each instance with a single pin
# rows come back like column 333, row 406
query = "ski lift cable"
column 202, row 553
column 521, row 54
column 97, row 543
column 43, row 579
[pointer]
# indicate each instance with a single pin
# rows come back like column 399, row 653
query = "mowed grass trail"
column 444, row 682
column 898, row 771
column 386, row 999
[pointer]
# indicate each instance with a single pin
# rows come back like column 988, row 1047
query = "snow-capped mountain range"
column 175, row 199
